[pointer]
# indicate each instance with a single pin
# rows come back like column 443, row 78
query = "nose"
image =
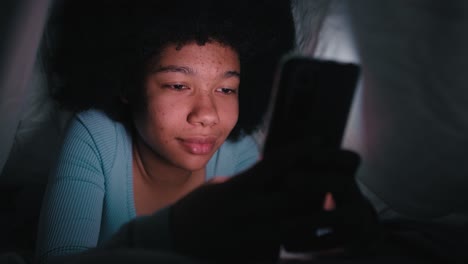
column 204, row 111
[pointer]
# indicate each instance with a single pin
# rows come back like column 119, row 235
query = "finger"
column 218, row 179
column 329, row 202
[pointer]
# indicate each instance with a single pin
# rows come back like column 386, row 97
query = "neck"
column 162, row 175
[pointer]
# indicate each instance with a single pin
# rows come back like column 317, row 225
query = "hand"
column 348, row 222
column 278, row 201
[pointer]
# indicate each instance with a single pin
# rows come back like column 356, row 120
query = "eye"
column 227, row 90
column 177, row 87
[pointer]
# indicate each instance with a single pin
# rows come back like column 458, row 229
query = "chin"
column 195, row 164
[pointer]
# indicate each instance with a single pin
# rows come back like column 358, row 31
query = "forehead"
column 210, row 53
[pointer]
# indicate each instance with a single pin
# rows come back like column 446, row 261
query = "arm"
column 72, row 207
column 249, row 216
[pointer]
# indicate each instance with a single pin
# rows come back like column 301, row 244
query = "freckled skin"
column 198, row 110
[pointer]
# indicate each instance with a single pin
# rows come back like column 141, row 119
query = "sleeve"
column 72, row 207
column 140, row 233
column 134, row 242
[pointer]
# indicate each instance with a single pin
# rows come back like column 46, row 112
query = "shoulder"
column 99, row 125
column 234, row 157
column 244, row 144
column 95, row 120
column 95, row 129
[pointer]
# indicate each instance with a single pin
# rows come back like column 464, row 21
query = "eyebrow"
column 229, row 74
column 174, row 68
column 190, row 71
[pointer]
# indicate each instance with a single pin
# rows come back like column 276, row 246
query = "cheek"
column 155, row 128
column 159, row 117
column 230, row 114
column 167, row 117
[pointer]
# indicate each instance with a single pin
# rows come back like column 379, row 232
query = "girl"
column 156, row 88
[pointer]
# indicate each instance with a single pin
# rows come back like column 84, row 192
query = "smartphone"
column 311, row 99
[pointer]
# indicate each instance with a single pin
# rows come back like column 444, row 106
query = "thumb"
column 217, row 179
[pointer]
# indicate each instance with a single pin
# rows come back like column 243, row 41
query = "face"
column 192, row 103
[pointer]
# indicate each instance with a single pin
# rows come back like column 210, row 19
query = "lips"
column 198, row 145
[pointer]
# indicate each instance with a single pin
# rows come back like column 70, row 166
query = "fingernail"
column 329, row 202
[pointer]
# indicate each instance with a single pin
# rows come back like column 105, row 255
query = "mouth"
column 198, row 145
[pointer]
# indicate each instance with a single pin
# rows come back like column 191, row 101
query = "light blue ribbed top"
column 90, row 193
